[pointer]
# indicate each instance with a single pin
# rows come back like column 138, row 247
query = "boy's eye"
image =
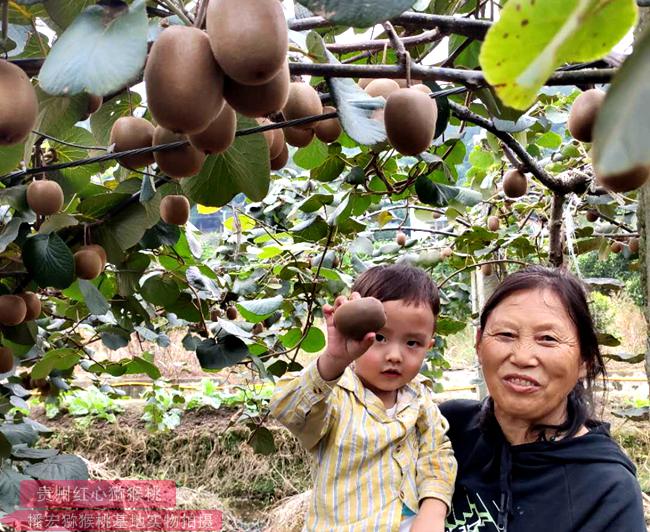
column 379, row 337
column 413, row 343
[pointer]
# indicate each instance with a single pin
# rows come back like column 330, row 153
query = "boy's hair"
column 399, row 281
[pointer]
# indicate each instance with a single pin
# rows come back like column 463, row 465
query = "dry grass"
column 628, row 324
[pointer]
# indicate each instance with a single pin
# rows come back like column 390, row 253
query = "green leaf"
column 10, row 488
column 258, row 310
column 545, row 35
column 623, row 126
column 630, row 358
column 550, row 139
column 160, row 291
column 9, row 233
column 60, row 467
column 55, row 359
column 440, row 195
column 608, row 340
column 139, row 366
column 125, row 229
column 114, row 337
column 244, row 167
column 290, row 339
column 19, row 433
column 329, row 170
column 357, row 13
column 56, row 222
column 227, row 352
column 446, row 326
column 100, row 52
column 262, row 441
column 49, row 261
column 314, row 341
column 94, row 299
column 10, row 157
column 481, row 158
column 22, row 452
column 311, row 156
column 63, row 13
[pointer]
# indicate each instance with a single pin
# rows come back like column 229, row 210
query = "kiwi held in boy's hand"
column 358, row 317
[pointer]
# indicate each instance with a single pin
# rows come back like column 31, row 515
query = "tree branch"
column 379, row 44
column 556, row 255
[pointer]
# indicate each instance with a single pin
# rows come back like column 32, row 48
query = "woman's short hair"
column 572, row 294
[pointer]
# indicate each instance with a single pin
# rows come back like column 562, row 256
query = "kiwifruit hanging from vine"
column 624, row 181
column 33, row 304
column 259, row 100
column 358, row 317
column 410, row 121
column 274, row 138
column 381, row 87
column 633, row 244
column 249, row 38
column 94, row 104
column 87, row 264
column 298, row 137
column 219, row 135
column 130, row 133
column 44, row 197
column 184, row 161
column 328, row 130
column 493, row 223
column 231, row 313
column 616, row 247
column 592, row 215
column 12, row 310
column 183, row 81
column 446, row 252
column 486, row 269
column 303, row 101
column 584, row 111
column 6, row 359
column 18, row 104
column 400, row 239
column 175, row 209
column 281, row 160
column 99, row 250
column 515, row 184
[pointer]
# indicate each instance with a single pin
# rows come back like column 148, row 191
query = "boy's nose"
column 394, row 354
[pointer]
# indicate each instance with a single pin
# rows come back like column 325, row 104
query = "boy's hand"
column 341, row 351
column 430, row 517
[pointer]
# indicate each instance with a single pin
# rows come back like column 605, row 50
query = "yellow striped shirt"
column 367, row 465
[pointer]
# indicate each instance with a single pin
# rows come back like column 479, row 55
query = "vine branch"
column 555, row 229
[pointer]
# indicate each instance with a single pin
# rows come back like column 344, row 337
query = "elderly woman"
column 531, row 457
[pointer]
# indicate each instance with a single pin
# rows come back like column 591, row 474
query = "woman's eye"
column 548, row 338
column 505, row 334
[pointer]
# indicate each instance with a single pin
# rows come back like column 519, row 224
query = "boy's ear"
column 432, row 342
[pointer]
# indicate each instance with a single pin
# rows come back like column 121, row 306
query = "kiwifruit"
column 592, row 215
column 363, row 82
column 183, row 81
column 231, row 313
column 12, row 310
column 400, row 239
column 584, row 111
column 486, row 270
column 633, row 244
column 258, row 328
column 358, row 317
column 447, row 252
column 281, row 160
column 44, row 197
column 249, row 38
column 99, row 250
column 414, row 83
column 493, row 223
column 298, row 137
column 130, row 133
column 626, row 181
column 184, row 161
column 328, row 130
column 515, row 184
column 382, row 87
column 94, row 103
column 18, row 104
column 274, row 138
column 303, row 101
column 410, row 121
column 87, row 264
column 336, row 261
column 175, row 209
column 33, row 304
column 6, row 359
column 259, row 100
column 219, row 135
column 215, row 314
column 616, row 247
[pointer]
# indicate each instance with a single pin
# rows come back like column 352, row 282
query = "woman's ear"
column 477, row 346
column 583, row 370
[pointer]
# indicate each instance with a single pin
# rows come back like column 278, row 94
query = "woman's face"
column 530, row 354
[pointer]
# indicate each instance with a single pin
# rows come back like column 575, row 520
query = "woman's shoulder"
column 462, row 414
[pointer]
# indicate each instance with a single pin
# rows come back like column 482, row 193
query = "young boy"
column 382, row 460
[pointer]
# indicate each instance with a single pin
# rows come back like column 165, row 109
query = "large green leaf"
column 60, row 467
column 9, row 233
column 623, row 126
column 63, row 13
column 10, row 488
column 49, row 260
column 219, row 355
column 258, row 310
column 441, row 195
column 55, row 359
column 93, row 298
column 546, row 34
column 10, row 156
column 19, row 433
column 100, row 52
column 244, row 167
column 357, row 13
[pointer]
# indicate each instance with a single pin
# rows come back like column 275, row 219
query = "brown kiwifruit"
column 33, row 304
column 231, row 313
column 633, row 245
column 6, row 359
column 130, row 133
column 12, row 310
column 486, row 269
column 616, row 247
column 219, row 135
column 215, row 314
column 592, row 215
column 18, row 104
column 184, row 161
column 382, row 87
column 298, row 137
column 625, row 181
column 328, row 130
column 515, row 184
column 281, row 160
column 87, row 264
column 94, row 104
column 260, row 100
column 447, row 252
column 410, row 121
column 249, row 38
column 403, row 85
column 358, row 317
column 274, row 138
column 493, row 223
column 44, row 197
column 400, row 239
column 584, row 111
column 258, row 328
column 175, row 209
column 99, row 250
column 183, row 81
column 303, row 101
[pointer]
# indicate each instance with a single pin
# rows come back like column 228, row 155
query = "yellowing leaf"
column 383, row 218
column 202, row 209
column 246, row 222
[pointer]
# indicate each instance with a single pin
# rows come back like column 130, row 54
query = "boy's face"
column 399, row 349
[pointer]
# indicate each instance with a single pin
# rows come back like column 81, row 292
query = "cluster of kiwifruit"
column 582, row 119
column 409, row 115
column 592, row 215
column 14, row 310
